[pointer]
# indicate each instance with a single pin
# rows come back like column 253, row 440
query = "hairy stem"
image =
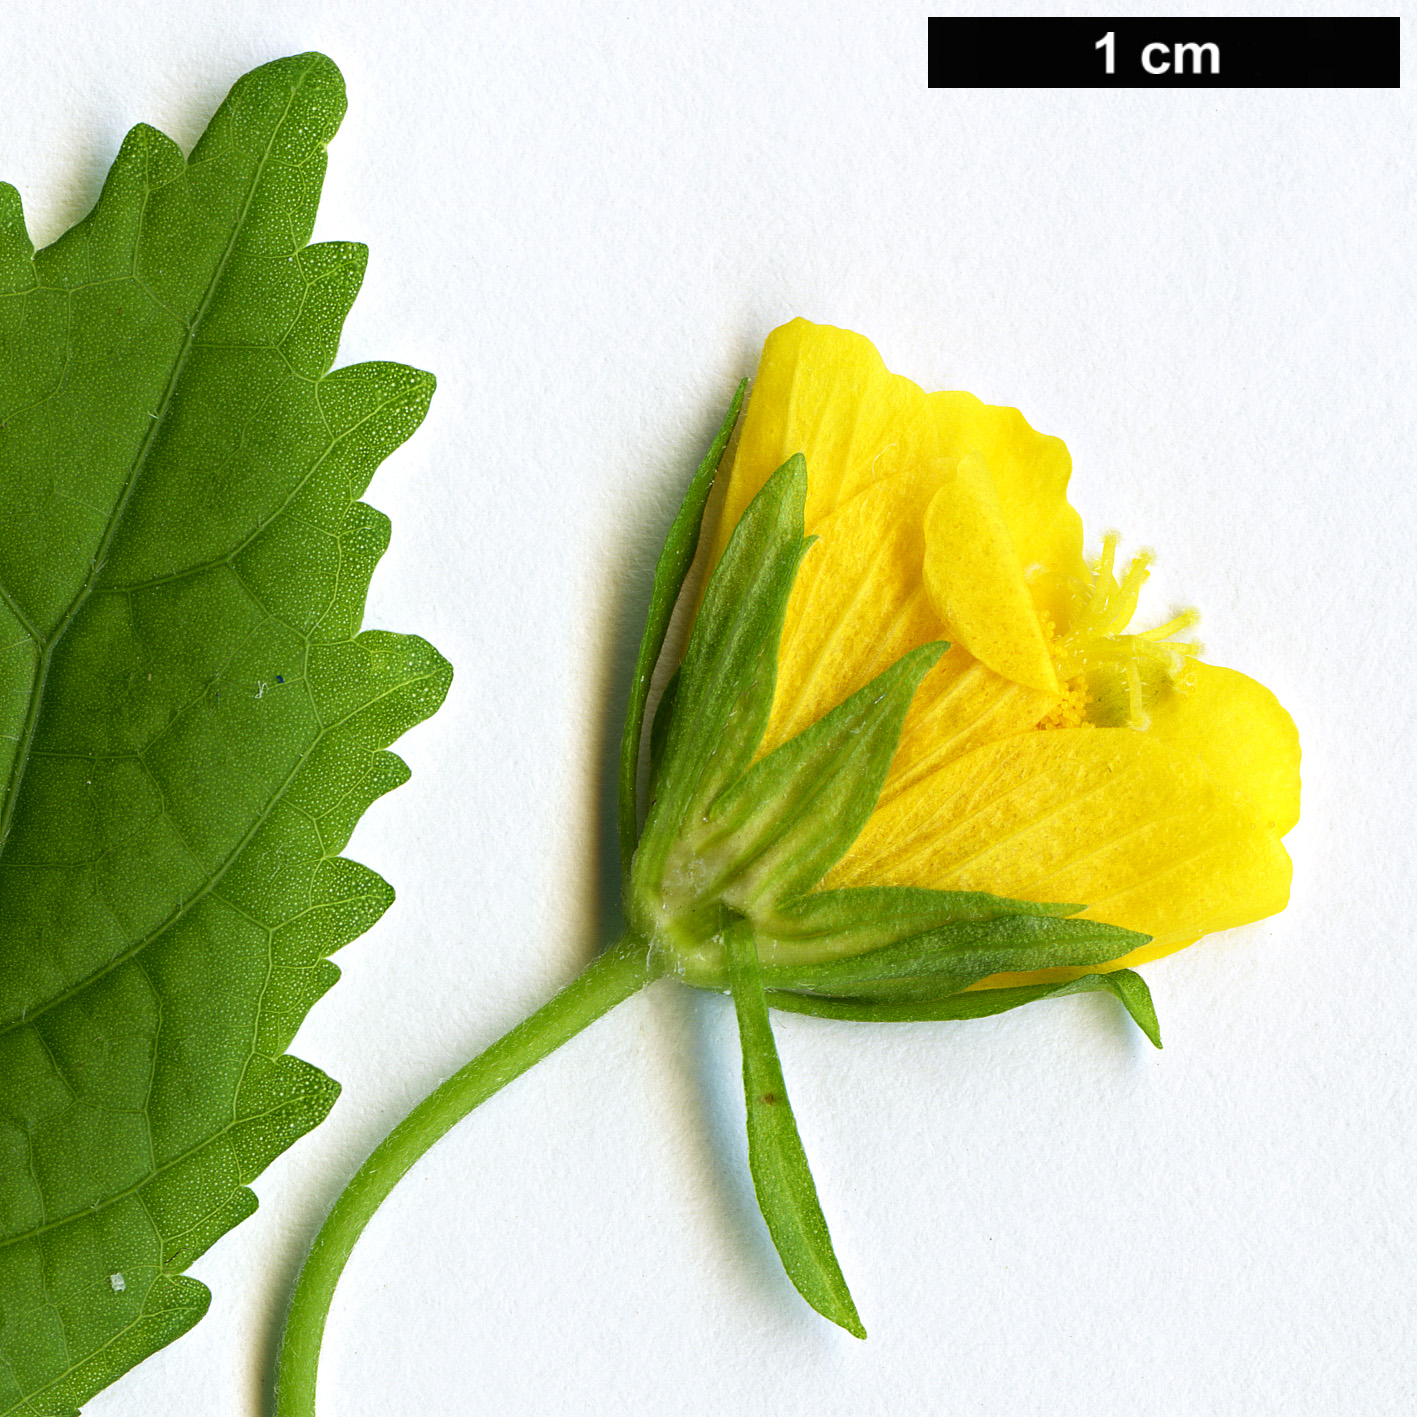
column 610, row 979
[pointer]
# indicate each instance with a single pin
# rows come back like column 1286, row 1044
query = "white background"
column 585, row 219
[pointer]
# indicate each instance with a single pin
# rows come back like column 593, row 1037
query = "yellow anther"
column 1113, row 677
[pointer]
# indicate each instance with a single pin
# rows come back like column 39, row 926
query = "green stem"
column 609, row 979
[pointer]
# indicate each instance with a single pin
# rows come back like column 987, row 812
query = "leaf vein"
column 185, row 908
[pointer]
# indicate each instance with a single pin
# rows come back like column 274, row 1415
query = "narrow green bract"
column 191, row 723
column 1125, row 985
column 782, row 1179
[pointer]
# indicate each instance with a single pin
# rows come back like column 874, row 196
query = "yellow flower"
column 1049, row 756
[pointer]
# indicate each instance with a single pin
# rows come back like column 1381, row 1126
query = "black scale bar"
column 1165, row 53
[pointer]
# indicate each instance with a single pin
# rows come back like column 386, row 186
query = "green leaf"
column 673, row 565
column 782, row 1179
column 726, row 681
column 190, row 722
column 793, row 814
column 1124, row 984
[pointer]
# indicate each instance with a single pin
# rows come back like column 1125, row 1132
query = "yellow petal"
column 824, row 393
column 1241, row 732
column 976, row 580
column 857, row 604
column 1030, row 471
column 959, row 706
column 1138, row 831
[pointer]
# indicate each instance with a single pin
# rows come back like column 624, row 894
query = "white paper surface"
column 585, row 219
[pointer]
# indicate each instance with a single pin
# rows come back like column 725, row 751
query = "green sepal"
column 782, row 1179
column 659, row 728
column 793, row 815
column 1125, row 984
column 829, row 924
column 955, row 956
column 670, row 570
column 726, row 682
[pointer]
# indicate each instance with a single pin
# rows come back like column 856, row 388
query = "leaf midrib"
column 47, row 647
